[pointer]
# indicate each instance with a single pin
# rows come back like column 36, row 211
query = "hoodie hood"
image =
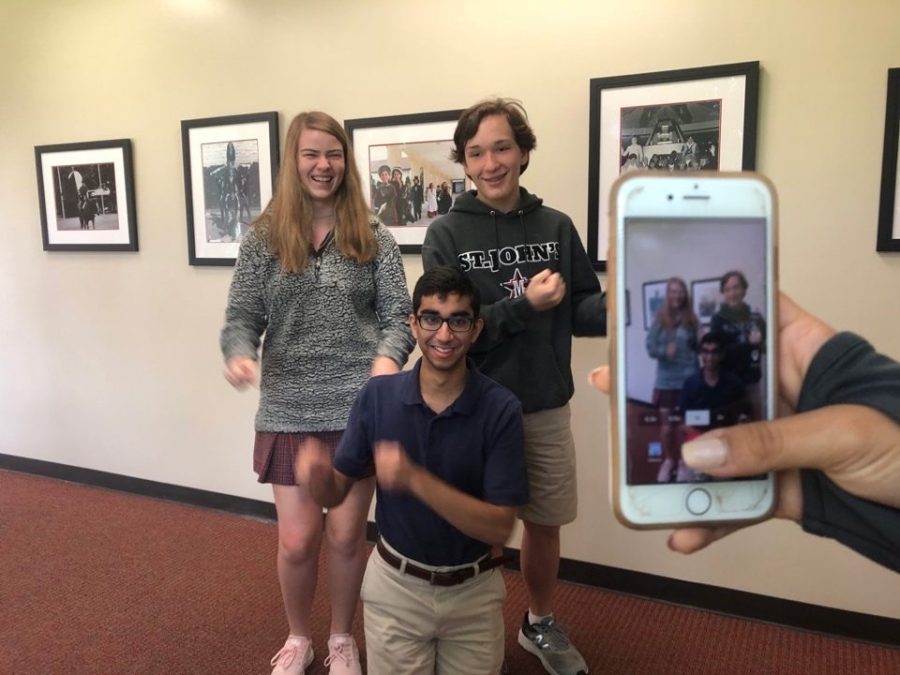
column 468, row 206
column 469, row 203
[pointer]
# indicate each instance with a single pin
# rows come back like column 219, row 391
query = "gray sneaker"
column 548, row 641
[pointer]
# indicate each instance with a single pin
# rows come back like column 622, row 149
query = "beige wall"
column 110, row 361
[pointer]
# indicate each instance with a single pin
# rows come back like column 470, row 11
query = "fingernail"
column 705, row 453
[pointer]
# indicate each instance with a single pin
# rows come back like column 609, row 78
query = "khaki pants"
column 414, row 628
column 550, row 460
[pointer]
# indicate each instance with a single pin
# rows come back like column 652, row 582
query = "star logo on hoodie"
column 516, row 285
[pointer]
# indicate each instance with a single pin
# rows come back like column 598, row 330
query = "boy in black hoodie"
column 538, row 289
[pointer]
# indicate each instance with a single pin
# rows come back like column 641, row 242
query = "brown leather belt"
column 448, row 578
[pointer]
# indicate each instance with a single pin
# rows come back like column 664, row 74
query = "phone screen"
column 695, row 325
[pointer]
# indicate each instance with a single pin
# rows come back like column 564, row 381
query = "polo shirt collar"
column 465, row 404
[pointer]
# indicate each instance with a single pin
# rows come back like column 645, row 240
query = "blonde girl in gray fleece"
column 323, row 282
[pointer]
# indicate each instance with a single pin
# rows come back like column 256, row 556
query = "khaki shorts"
column 413, row 627
column 550, row 460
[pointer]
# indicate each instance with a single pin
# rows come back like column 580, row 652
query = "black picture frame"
column 230, row 167
column 86, row 196
column 417, row 144
column 627, row 307
column 718, row 104
column 889, row 204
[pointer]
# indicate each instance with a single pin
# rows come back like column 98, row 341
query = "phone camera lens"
column 670, row 197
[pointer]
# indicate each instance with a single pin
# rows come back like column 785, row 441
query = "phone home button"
column 698, row 501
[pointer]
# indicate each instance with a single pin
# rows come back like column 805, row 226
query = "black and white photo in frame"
column 677, row 120
column 230, row 165
column 86, row 196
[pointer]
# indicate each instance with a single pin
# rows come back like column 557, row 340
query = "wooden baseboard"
column 140, row 486
column 837, row 622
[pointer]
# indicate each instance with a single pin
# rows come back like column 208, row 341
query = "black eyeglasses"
column 460, row 323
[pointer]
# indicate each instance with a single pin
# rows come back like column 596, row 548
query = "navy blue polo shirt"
column 476, row 445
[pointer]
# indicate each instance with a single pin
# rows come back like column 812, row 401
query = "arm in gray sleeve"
column 656, row 341
column 392, row 302
column 246, row 316
column 848, row 370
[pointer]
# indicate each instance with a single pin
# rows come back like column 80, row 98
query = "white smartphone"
column 692, row 274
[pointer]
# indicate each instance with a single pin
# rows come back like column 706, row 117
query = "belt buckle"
column 442, row 578
column 449, row 578
column 452, row 577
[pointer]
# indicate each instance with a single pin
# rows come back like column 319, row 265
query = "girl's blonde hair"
column 287, row 219
column 670, row 319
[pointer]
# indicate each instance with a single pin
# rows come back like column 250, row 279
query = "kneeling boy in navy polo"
column 447, row 448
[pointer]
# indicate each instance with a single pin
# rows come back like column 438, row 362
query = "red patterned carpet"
column 98, row 581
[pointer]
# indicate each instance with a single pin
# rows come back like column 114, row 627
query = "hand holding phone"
column 855, row 446
column 695, row 254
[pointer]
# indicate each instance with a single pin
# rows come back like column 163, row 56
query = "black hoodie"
column 528, row 352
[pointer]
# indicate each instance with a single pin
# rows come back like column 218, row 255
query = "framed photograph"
column 230, row 165
column 706, row 298
column 676, row 120
column 889, row 209
column 406, row 171
column 654, row 293
column 86, row 195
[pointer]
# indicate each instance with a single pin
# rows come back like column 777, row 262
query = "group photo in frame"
column 889, row 207
column 694, row 119
column 407, row 175
column 86, row 196
column 230, row 165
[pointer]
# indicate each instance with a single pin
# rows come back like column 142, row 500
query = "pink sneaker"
column 343, row 656
column 294, row 657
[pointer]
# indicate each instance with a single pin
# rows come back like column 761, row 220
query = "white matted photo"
column 696, row 119
column 230, row 165
column 707, row 298
column 407, row 174
column 86, row 195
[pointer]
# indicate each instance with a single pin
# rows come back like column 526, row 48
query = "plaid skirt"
column 273, row 453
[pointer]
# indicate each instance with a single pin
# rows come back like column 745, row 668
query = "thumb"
column 541, row 276
column 599, row 378
column 809, row 440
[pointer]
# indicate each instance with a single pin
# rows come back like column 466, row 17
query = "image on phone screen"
column 695, row 348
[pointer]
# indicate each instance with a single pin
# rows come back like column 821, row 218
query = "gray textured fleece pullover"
column 322, row 329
